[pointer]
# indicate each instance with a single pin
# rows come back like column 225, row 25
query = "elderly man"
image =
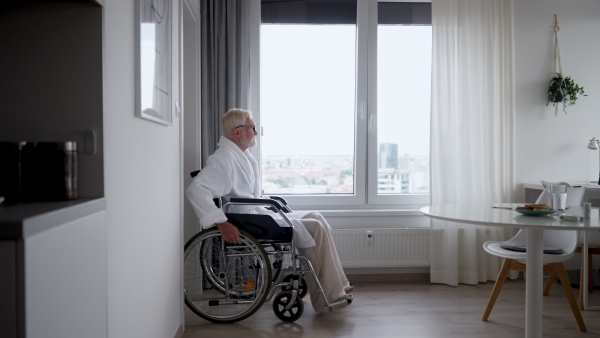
column 232, row 171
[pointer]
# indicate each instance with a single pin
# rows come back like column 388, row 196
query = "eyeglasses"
column 253, row 127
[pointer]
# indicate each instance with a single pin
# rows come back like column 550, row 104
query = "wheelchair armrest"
column 274, row 203
column 280, row 199
column 283, row 202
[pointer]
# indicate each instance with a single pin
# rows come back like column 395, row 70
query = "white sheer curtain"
column 472, row 134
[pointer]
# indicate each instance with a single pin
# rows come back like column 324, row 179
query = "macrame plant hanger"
column 557, row 60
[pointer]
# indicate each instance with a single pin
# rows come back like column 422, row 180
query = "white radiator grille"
column 386, row 248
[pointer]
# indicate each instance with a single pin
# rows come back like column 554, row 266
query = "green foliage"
column 314, row 181
column 344, row 174
column 563, row 90
column 281, row 183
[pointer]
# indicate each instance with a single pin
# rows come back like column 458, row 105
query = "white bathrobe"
column 231, row 172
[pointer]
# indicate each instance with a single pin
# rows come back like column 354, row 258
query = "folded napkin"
column 521, row 246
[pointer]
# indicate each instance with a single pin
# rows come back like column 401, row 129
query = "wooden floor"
column 413, row 309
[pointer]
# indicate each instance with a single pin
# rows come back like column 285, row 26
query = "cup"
column 587, row 210
column 558, row 197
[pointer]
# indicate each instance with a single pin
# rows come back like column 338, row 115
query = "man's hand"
column 230, row 232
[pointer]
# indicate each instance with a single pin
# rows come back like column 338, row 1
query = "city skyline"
column 323, row 174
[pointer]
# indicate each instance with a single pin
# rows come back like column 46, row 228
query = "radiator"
column 382, row 247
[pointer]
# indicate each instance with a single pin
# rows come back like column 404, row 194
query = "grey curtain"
column 225, row 65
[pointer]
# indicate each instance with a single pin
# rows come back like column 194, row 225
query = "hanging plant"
column 565, row 90
column 562, row 89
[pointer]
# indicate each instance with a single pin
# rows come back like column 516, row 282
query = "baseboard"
column 422, row 277
column 386, row 270
column 179, row 332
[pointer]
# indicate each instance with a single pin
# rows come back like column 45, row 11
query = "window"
column 336, row 128
column 300, row 113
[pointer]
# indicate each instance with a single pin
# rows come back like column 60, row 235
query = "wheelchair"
column 226, row 282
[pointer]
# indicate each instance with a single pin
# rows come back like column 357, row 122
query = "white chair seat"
column 521, row 257
column 566, row 240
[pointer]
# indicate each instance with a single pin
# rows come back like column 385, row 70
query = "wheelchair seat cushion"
column 262, row 227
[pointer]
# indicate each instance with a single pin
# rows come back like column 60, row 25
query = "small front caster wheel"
column 293, row 313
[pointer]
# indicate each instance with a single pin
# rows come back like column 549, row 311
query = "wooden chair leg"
column 549, row 282
column 590, row 278
column 564, row 281
column 504, row 270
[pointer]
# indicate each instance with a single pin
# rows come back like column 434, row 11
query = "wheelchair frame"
column 254, row 262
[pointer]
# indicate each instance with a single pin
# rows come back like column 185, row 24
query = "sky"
column 308, row 88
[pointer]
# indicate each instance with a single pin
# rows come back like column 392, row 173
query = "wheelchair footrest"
column 339, row 304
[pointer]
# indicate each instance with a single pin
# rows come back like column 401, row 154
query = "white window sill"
column 374, row 218
column 372, row 212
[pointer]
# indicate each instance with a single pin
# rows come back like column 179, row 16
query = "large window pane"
column 403, row 106
column 307, row 108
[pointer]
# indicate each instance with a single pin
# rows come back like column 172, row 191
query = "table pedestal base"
column 534, row 283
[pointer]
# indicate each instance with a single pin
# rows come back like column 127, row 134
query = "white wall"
column 549, row 147
column 142, row 193
column 191, row 104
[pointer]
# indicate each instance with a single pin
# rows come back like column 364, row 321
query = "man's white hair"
column 234, row 118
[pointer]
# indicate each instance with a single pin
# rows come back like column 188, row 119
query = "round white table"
column 494, row 215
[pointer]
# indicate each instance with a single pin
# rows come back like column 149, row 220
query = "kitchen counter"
column 21, row 220
column 49, row 253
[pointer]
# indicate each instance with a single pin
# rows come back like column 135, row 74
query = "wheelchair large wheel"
column 213, row 263
column 225, row 282
column 210, row 266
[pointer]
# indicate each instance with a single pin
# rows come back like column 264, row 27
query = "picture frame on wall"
column 153, row 60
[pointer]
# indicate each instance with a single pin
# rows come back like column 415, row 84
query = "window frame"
column 365, row 172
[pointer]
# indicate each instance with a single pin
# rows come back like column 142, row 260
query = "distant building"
column 392, row 181
column 388, row 156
